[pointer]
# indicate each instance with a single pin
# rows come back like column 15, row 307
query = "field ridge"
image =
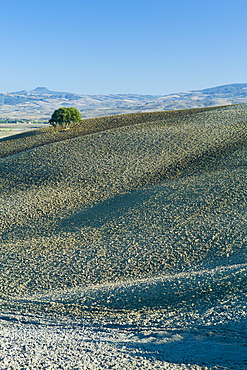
column 35, row 138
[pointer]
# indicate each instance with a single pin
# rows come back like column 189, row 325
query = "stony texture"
column 143, row 226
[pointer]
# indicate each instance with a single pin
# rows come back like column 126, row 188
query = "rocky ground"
column 127, row 248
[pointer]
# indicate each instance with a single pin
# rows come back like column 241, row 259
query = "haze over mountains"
column 40, row 103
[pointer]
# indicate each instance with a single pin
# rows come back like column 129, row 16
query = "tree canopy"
column 65, row 116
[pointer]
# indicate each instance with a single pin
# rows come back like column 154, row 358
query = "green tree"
column 65, row 116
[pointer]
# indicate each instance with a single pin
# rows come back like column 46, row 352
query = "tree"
column 65, row 116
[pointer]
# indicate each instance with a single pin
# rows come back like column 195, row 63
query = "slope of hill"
column 41, row 102
column 137, row 232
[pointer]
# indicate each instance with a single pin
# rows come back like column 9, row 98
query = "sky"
column 155, row 47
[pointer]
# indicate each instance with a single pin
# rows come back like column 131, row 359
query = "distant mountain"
column 41, row 102
column 42, row 91
column 233, row 90
column 39, row 91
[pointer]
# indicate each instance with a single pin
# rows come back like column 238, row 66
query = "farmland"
column 136, row 222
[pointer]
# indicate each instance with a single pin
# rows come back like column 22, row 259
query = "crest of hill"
column 28, row 140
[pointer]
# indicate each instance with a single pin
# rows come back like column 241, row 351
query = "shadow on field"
column 218, row 346
column 99, row 214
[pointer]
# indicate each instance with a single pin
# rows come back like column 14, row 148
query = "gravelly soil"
column 143, row 226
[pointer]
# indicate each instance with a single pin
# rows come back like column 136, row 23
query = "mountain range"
column 38, row 104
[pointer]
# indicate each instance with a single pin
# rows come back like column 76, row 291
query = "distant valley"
column 38, row 104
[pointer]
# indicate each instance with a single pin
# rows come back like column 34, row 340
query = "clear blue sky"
column 122, row 46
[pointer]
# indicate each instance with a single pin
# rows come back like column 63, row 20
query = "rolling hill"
column 135, row 222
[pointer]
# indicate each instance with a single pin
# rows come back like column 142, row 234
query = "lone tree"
column 65, row 116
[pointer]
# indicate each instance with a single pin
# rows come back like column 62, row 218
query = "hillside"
column 39, row 104
column 135, row 222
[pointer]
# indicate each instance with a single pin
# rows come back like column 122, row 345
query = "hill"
column 138, row 224
column 40, row 103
